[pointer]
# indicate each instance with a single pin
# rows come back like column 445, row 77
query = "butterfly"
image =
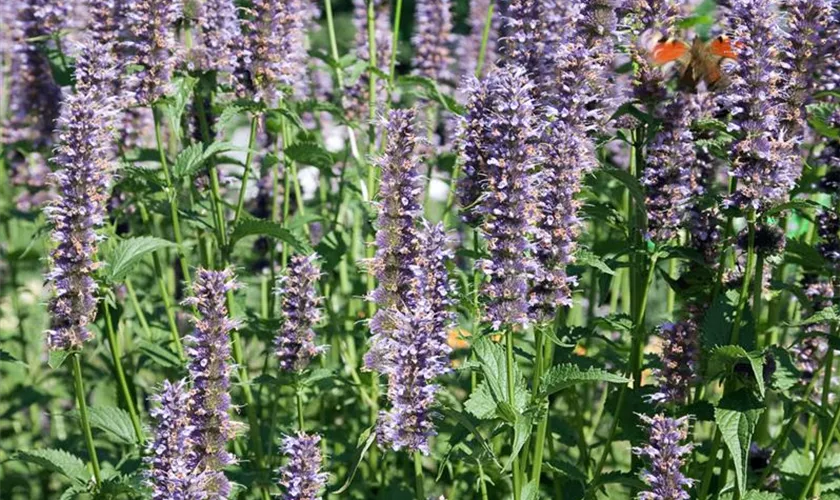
column 698, row 62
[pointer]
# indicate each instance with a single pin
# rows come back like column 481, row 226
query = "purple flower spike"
column 765, row 161
column 508, row 205
column 679, row 356
column 301, row 478
column 103, row 21
column 525, row 35
column 294, row 343
column 432, row 56
column 84, row 156
column 170, row 456
column 210, row 369
column 219, row 42
column 667, row 456
column 152, row 45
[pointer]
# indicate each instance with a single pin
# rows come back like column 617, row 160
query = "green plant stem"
column 84, row 419
column 706, row 481
column 419, row 489
column 299, row 404
column 138, row 311
column 172, row 195
column 485, row 36
column 395, row 42
column 517, row 480
column 482, row 486
column 215, row 196
column 240, row 203
column 116, row 354
column 545, row 351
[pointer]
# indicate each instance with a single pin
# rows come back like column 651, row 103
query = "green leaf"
column 116, row 422
column 130, row 252
column 57, row 358
column 531, row 491
column 629, row 108
column 786, row 376
column 249, row 226
column 618, row 322
column 724, row 361
column 468, row 424
column 819, row 117
column 176, row 104
column 482, row 405
column 718, row 322
column 193, row 157
column 521, row 433
column 829, row 315
column 5, row 357
column 584, row 257
column 433, row 92
column 797, row 204
column 310, row 153
column 631, row 183
column 161, row 356
column 566, row 375
column 58, row 461
column 366, row 440
column 736, row 416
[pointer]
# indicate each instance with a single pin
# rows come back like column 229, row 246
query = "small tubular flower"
column 152, row 46
column 432, row 40
column 667, row 456
column 679, row 357
column 218, row 45
column 301, row 478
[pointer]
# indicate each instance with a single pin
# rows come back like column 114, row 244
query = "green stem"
column 299, row 404
column 745, row 282
column 247, row 172
column 172, row 195
column 113, row 343
column 84, row 419
column 138, row 311
column 706, row 482
column 517, row 480
column 395, row 40
column 419, row 489
column 485, row 36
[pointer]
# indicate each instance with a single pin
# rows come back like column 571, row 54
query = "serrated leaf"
column 566, row 375
column 6, row 357
column 618, row 322
column 828, row 315
column 531, row 491
column 736, row 416
column 57, row 358
column 521, row 433
column 718, row 322
column 492, row 359
column 193, row 157
column 786, row 376
column 568, row 469
column 465, row 421
column 130, row 252
column 114, row 421
column 584, row 257
column 631, row 183
column 176, row 104
column 249, row 226
column 820, row 118
column 310, row 153
column 482, row 405
column 58, row 461
column 724, row 360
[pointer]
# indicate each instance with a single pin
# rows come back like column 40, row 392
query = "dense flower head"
column 34, row 97
column 432, row 39
column 765, row 161
column 667, row 456
column 525, row 35
column 152, row 46
column 669, row 170
column 104, row 20
column 97, row 72
column 356, row 96
column 509, row 205
column 218, row 45
column 679, row 357
column 295, row 341
column 84, row 157
column 210, row 367
column 170, row 456
column 275, row 37
column 301, row 478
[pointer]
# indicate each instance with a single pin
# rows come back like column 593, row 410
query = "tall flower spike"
column 84, row 156
column 170, row 472
column 301, row 478
column 419, row 352
column 764, row 161
column 218, row 45
column 664, row 479
column 275, row 37
column 509, row 206
column 679, row 355
column 432, row 40
column 294, row 344
column 103, row 21
column 524, row 36
column 669, row 170
column 398, row 244
column 151, row 45
column 210, row 368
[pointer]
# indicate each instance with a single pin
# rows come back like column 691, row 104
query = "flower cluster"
column 170, row 460
column 509, row 205
column 294, row 343
column 301, row 478
column 432, row 39
column 210, row 368
column 524, row 35
column 152, row 46
column 218, row 45
column 85, row 156
column 664, row 479
column 679, row 357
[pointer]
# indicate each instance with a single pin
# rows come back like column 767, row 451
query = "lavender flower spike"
column 170, row 455
column 85, row 156
column 210, row 369
column 152, row 45
column 301, row 478
column 219, row 42
column 667, row 456
column 680, row 351
column 508, row 207
column 294, row 344
column 432, row 56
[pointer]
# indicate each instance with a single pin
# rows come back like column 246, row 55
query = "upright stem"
column 299, row 404
column 113, row 343
column 395, row 40
column 485, row 35
column 419, row 489
column 138, row 311
column 84, row 419
column 247, row 172
column 706, row 482
column 517, row 480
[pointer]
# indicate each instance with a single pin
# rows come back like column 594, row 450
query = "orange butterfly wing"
column 724, row 47
column 669, row 51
